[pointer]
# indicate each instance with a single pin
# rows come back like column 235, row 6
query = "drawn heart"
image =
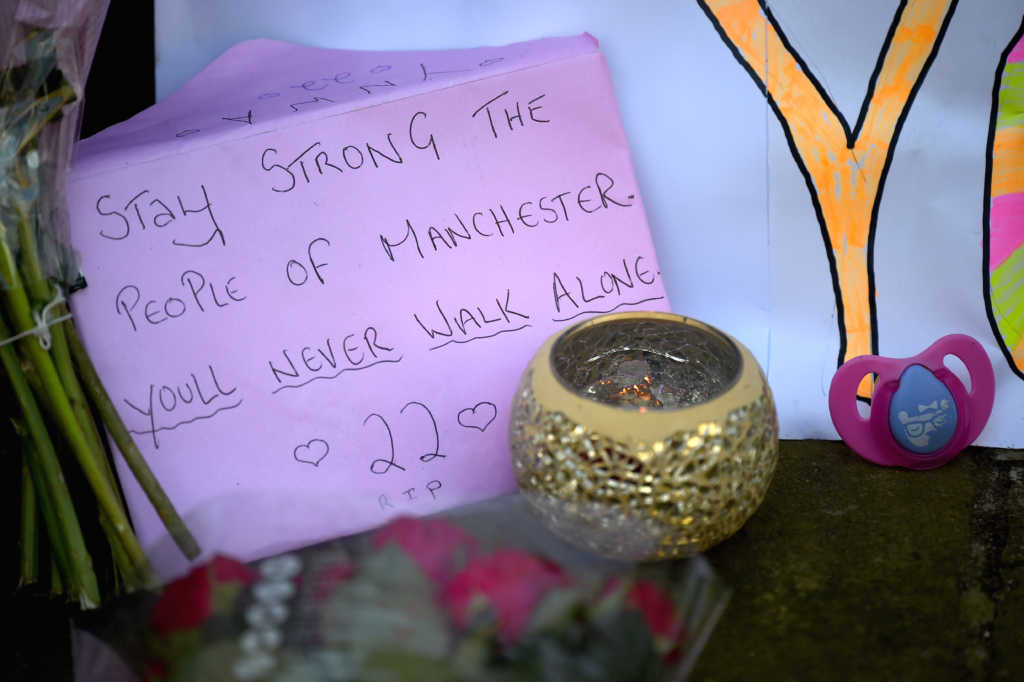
column 313, row 452
column 479, row 416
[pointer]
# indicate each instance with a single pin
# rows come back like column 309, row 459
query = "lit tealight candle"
column 644, row 435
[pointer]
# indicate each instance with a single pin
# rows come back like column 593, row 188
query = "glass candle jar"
column 644, row 435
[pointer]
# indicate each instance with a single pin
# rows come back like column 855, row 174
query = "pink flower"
column 224, row 570
column 187, row 602
column 657, row 608
column 511, row 581
column 662, row 618
column 437, row 546
column 154, row 671
column 328, row 579
column 659, row 613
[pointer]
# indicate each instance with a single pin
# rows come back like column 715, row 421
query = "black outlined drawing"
column 478, row 417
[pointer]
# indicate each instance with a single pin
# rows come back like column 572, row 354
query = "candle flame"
column 640, row 393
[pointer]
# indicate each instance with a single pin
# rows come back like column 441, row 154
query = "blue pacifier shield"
column 922, row 414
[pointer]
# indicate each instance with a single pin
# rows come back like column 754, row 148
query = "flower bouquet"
column 46, row 47
column 422, row 599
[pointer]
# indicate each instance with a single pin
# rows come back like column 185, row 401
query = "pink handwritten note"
column 315, row 276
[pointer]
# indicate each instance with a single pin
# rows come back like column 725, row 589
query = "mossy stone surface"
column 850, row 571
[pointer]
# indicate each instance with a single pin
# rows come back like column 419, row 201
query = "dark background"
column 847, row 572
column 121, row 83
column 125, row 55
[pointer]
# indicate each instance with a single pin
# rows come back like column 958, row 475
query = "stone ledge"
column 850, row 571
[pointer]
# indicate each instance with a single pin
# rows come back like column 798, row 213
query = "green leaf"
column 558, row 607
column 614, row 600
column 316, row 666
column 224, row 597
column 402, row 666
column 209, row 661
column 389, row 606
column 628, row 652
column 615, row 647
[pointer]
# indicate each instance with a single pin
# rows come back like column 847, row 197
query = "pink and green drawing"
column 1004, row 224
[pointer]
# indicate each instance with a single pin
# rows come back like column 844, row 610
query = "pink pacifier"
column 922, row 416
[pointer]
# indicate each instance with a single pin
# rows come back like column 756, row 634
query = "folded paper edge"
column 111, row 147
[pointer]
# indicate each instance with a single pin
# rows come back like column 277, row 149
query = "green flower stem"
column 52, row 104
column 29, row 528
column 125, row 572
column 56, row 584
column 76, row 396
column 50, row 522
column 122, row 562
column 143, row 474
column 31, row 269
column 41, row 293
column 57, row 400
column 81, row 576
column 57, row 543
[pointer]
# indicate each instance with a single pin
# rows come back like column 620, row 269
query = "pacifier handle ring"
column 842, row 403
column 872, row 437
column 982, row 395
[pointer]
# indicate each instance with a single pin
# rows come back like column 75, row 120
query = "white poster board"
column 730, row 210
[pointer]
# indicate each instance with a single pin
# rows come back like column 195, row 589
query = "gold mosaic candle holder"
column 644, row 436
